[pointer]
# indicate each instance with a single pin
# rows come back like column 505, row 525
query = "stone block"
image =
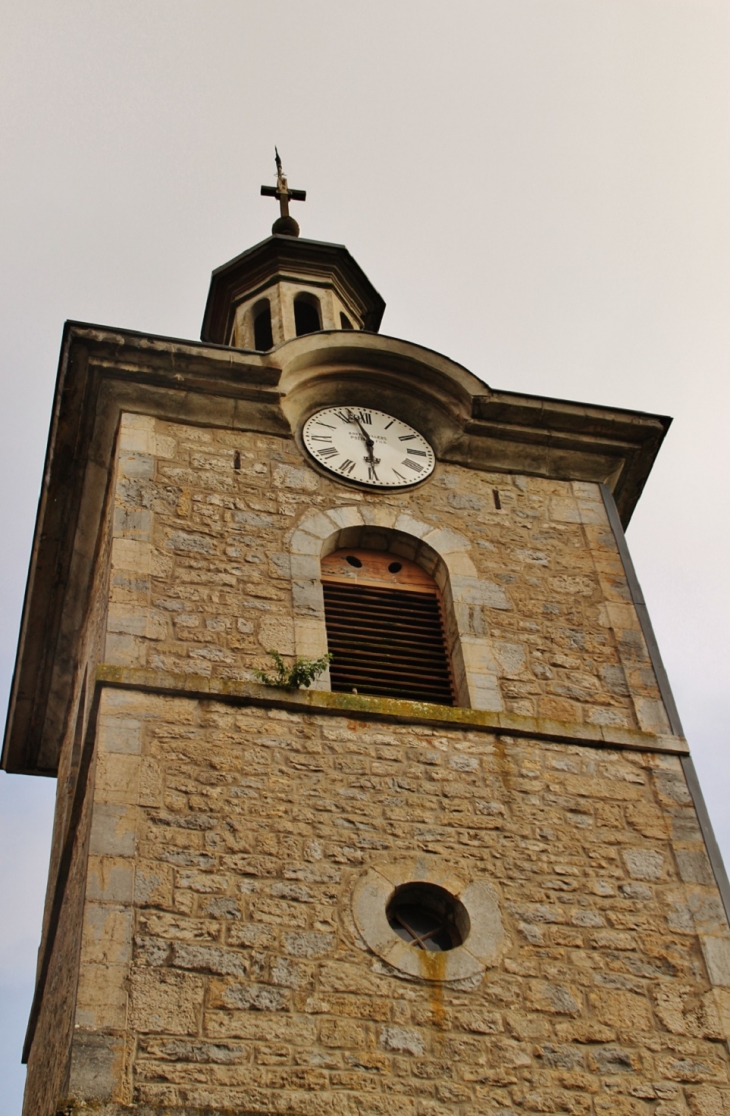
column 305, row 567
column 511, row 657
column 137, row 620
column 554, row 998
column 586, row 490
column 300, row 480
column 278, row 635
column 307, row 598
column 136, row 466
column 113, row 830
column 717, row 958
column 444, row 540
column 377, row 516
column 303, row 543
column 101, row 998
column 210, row 959
column 110, row 879
column 107, row 934
column 475, row 591
column 651, row 715
column 117, row 778
column 96, row 1065
column 166, row 1001
column 694, row 867
column 485, row 692
column 131, row 554
column 345, row 517
column 164, row 446
column 564, row 510
column 411, row 526
column 627, row 1012
column 644, row 864
column 312, row 944
column 125, row 650
column 592, row 512
column 133, row 523
column 318, row 524
column 403, row 1040
column 119, row 734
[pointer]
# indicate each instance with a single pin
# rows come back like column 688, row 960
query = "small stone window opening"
column 263, row 337
column 306, row 314
column 427, row 917
column 345, row 322
column 385, row 628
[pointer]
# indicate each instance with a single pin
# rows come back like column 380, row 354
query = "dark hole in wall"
column 263, row 337
column 306, row 315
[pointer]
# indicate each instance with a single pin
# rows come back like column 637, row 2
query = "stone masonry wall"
column 48, row 1063
column 201, row 580
column 220, row 951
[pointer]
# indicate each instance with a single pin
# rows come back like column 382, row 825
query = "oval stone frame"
column 483, row 946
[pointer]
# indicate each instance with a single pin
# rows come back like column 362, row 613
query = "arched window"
column 306, row 314
column 385, row 627
column 263, row 337
column 345, row 322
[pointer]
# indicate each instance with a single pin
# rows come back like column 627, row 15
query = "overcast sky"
column 538, row 188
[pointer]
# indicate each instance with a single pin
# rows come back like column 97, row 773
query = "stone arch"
column 307, row 313
column 440, row 551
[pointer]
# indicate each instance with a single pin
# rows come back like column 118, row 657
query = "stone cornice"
column 388, row 710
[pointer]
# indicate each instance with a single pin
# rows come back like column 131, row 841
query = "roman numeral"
column 328, row 451
column 405, row 437
column 344, row 416
column 366, row 418
column 327, row 424
column 390, row 424
column 320, row 437
column 371, row 473
column 346, row 467
column 418, row 453
column 399, row 475
column 415, row 465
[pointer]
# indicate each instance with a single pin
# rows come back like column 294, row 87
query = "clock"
column 367, row 446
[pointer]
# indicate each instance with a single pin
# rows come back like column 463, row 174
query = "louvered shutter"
column 385, row 627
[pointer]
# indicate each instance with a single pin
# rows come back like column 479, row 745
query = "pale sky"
column 538, row 188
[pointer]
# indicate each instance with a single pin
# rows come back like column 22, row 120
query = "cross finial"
column 284, row 224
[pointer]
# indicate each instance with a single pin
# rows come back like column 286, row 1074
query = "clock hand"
column 371, row 459
column 368, row 440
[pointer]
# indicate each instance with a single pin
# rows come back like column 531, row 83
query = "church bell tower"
column 372, row 794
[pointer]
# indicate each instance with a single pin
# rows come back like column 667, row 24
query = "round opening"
column 353, row 561
column 427, row 917
column 395, row 567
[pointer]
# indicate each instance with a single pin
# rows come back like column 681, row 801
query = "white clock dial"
column 369, row 447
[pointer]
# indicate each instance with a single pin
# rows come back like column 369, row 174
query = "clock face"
column 369, row 447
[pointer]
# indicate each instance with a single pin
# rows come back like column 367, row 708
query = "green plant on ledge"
column 302, row 672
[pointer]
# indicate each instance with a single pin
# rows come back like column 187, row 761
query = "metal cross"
column 286, row 223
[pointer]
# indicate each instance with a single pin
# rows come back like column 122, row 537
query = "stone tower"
column 468, row 871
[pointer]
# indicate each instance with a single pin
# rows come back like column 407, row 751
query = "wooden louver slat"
column 387, row 642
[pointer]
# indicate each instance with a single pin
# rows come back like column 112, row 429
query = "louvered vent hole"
column 387, row 642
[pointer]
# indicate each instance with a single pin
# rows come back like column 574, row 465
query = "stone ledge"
column 322, row 702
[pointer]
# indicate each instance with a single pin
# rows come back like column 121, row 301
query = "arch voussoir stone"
column 442, row 552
